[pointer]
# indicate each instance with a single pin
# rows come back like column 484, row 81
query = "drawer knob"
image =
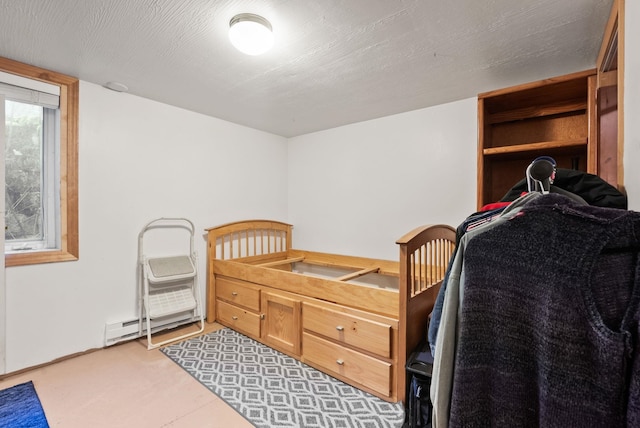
column 235, row 318
column 340, row 328
column 340, row 362
column 234, row 293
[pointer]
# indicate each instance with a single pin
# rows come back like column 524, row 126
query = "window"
column 31, row 171
column 41, row 177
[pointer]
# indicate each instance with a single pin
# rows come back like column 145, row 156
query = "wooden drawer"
column 359, row 332
column 238, row 293
column 333, row 358
column 238, row 318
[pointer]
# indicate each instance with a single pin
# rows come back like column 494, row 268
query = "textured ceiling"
column 335, row 62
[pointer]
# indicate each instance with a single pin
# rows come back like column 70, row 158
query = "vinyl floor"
column 126, row 386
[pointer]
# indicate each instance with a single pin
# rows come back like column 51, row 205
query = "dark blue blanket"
column 20, row 407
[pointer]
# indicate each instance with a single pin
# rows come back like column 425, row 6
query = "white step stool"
column 168, row 285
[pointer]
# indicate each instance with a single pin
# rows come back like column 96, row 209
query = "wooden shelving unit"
column 550, row 117
column 577, row 119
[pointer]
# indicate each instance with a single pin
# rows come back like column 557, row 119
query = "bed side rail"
column 248, row 238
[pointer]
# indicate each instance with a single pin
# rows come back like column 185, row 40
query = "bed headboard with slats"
column 249, row 238
column 426, row 256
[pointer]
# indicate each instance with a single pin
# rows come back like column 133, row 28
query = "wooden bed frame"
column 341, row 321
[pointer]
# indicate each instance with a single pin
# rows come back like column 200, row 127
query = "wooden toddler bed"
column 356, row 319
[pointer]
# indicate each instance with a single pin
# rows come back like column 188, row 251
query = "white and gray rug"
column 271, row 389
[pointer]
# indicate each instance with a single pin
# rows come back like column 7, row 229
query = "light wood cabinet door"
column 281, row 322
column 608, row 124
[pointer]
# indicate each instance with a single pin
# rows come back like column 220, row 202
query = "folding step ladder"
column 168, row 286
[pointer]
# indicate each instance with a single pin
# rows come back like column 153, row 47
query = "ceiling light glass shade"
column 250, row 34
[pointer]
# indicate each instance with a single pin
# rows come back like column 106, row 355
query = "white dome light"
column 250, row 34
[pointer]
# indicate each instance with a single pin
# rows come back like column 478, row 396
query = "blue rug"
column 20, row 407
column 271, row 389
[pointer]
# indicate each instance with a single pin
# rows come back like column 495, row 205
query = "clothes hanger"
column 540, row 174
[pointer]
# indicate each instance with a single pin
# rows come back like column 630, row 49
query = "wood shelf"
column 534, row 147
column 570, row 107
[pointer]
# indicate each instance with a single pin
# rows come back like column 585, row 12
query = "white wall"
column 358, row 188
column 138, row 160
column 352, row 190
column 632, row 103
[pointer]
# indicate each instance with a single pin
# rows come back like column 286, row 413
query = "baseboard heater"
column 128, row 330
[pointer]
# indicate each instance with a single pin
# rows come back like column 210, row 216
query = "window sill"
column 38, row 257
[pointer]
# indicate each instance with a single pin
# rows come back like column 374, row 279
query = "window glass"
column 23, row 174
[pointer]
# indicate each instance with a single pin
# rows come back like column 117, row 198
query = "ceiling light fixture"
column 250, row 34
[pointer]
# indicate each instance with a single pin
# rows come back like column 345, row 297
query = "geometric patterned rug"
column 271, row 389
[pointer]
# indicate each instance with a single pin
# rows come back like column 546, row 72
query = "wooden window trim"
column 69, row 100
